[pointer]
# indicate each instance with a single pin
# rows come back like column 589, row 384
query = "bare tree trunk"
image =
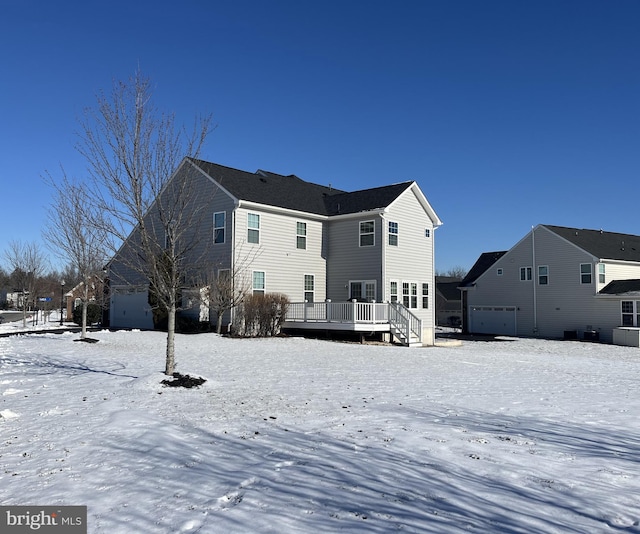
column 170, row 362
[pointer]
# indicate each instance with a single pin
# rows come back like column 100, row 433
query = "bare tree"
column 146, row 209
column 27, row 264
column 453, row 272
column 71, row 236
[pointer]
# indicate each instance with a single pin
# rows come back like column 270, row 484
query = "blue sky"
column 507, row 113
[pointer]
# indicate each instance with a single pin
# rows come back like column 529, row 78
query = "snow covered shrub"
column 261, row 315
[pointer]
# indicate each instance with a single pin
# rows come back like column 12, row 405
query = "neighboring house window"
column 258, row 282
column 601, row 276
column 301, row 235
column 393, row 291
column 367, row 238
column 499, row 271
column 630, row 313
column 309, row 287
column 253, row 225
column 525, row 273
column 543, row 275
column 393, row 234
column 410, row 294
column 585, row 273
column 425, row 296
column 427, row 233
column 362, row 290
column 219, row 223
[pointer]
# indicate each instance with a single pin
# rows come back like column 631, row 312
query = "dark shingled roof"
column 291, row 192
column 601, row 244
column 484, row 262
column 622, row 287
column 449, row 290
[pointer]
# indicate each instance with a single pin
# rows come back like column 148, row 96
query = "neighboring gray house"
column 556, row 282
column 448, row 301
column 360, row 261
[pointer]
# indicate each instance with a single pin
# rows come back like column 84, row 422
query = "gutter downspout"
column 533, row 280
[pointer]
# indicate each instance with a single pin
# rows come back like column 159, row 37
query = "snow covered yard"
column 295, row 435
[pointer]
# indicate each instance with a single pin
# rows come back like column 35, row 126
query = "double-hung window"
column 585, row 273
column 543, row 275
column 301, row 235
column 425, row 296
column 219, row 224
column 367, row 237
column 393, row 234
column 601, row 273
column 253, row 228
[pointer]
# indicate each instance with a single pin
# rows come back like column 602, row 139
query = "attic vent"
column 622, row 247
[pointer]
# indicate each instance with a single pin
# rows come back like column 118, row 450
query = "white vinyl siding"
column 279, row 256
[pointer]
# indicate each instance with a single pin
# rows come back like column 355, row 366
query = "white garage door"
column 500, row 320
column 130, row 309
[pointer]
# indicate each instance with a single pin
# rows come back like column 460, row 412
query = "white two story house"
column 361, row 260
column 556, row 282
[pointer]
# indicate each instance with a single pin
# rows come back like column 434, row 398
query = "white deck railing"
column 339, row 312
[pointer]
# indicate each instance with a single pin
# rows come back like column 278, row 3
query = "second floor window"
column 525, row 273
column 301, row 235
column 601, row 272
column 393, row 234
column 367, row 238
column 253, row 228
column 543, row 275
column 585, row 273
column 219, row 220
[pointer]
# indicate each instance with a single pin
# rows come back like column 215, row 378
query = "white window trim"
column 363, row 285
column 253, row 281
column 299, row 235
column 590, row 273
column 603, row 273
column 528, row 274
column 223, row 228
column 635, row 312
column 398, row 299
column 411, row 285
column 372, row 233
column 304, row 287
column 250, row 228
column 395, row 234
column 545, row 275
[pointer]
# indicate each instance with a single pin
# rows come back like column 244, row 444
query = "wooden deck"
column 356, row 317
